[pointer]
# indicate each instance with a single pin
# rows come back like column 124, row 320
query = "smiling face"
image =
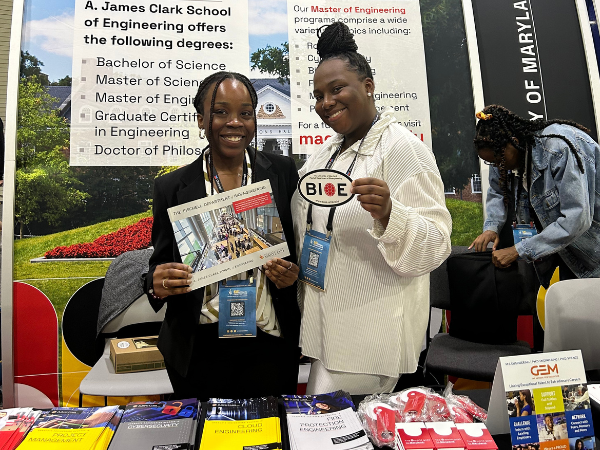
column 341, row 99
column 233, row 123
column 549, row 422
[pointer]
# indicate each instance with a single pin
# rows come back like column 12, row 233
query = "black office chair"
column 469, row 359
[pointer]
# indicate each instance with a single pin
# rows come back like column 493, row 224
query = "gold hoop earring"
column 201, row 134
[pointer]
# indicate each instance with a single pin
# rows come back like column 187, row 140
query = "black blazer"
column 177, row 334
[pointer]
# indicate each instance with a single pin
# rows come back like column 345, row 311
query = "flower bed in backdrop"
column 132, row 237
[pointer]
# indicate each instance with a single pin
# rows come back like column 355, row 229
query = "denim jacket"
column 566, row 202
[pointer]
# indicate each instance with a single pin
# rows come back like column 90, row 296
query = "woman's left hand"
column 505, row 257
column 281, row 272
column 374, row 196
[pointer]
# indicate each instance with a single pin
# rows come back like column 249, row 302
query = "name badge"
column 523, row 231
column 326, row 187
column 237, row 309
column 313, row 260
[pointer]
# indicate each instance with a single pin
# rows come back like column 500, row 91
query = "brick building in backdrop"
column 471, row 192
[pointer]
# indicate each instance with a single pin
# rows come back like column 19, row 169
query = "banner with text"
column 533, row 60
column 542, row 399
column 388, row 35
column 136, row 70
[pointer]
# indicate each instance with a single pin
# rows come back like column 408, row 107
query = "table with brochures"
column 161, row 424
column 503, row 441
column 481, row 397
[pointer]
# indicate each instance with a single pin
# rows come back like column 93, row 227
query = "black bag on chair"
column 484, row 299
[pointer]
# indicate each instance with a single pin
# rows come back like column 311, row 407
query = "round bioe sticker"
column 123, row 344
column 326, row 187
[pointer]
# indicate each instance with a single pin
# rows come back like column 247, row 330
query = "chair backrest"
column 573, row 319
column 439, row 292
column 124, row 309
column 138, row 313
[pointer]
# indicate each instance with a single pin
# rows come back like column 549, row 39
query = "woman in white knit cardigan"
column 368, row 326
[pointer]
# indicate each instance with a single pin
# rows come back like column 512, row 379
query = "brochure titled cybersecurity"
column 228, row 233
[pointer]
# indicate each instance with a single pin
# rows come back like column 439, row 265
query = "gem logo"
column 544, row 369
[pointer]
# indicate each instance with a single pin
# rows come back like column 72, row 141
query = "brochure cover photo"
column 547, row 402
column 150, row 425
column 228, row 233
column 76, row 428
column 324, row 421
column 244, row 424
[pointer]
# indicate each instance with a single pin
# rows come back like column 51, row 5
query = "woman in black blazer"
column 198, row 362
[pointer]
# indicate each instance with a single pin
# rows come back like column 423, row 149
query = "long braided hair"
column 336, row 41
column 217, row 78
column 498, row 127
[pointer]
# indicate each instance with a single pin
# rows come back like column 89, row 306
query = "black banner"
column 532, row 59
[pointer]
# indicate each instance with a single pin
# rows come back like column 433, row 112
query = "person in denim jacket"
column 553, row 166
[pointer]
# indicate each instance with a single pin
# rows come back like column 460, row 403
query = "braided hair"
column 498, row 127
column 217, row 78
column 336, row 41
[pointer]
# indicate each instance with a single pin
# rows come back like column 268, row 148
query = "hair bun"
column 335, row 39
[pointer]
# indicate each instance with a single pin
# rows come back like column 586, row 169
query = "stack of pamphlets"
column 324, row 421
column 157, row 425
column 241, row 425
column 14, row 425
column 73, row 428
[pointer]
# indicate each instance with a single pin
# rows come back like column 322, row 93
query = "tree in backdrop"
column 65, row 81
column 273, row 60
column 46, row 188
column 114, row 192
column 31, row 66
column 450, row 91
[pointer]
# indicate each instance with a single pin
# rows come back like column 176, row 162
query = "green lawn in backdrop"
column 60, row 279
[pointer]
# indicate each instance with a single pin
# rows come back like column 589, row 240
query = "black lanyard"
column 216, row 175
column 348, row 172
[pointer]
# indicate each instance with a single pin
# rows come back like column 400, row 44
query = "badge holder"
column 523, row 231
column 237, row 308
column 315, row 251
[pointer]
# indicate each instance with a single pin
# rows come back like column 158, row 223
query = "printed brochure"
column 228, row 233
column 325, row 421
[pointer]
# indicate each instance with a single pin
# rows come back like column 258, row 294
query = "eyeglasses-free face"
column 233, row 118
column 342, row 100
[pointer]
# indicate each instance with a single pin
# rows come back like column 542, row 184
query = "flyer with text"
column 547, row 402
column 228, row 233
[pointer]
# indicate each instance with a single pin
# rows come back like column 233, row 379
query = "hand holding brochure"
column 228, row 233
